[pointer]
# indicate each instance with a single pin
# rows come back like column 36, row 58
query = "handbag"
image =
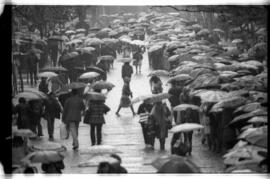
column 63, row 131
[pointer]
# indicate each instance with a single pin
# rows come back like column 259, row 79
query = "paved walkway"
column 125, row 133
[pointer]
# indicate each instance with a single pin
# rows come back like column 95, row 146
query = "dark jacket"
column 23, row 115
column 174, row 99
column 52, row 108
column 144, row 107
column 95, row 113
column 72, row 109
column 43, row 87
column 127, row 71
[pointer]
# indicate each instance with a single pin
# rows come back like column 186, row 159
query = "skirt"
column 125, row 101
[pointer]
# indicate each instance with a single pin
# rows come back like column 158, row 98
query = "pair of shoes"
column 117, row 114
column 51, row 138
column 75, row 147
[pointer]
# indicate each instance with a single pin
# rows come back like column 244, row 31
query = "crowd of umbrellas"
column 217, row 73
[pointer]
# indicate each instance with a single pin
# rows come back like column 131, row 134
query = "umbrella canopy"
column 258, row 140
column 75, row 85
column 157, row 97
column 249, row 115
column 47, row 74
column 103, row 85
column 235, row 41
column 68, row 32
column 174, row 164
column 155, row 48
column 55, row 38
column 159, row 73
column 203, row 32
column 174, row 58
column 44, row 157
column 35, row 91
column 253, row 131
column 89, row 75
column 93, row 41
column 106, row 57
column 97, row 159
column 28, row 95
column 86, row 50
column 183, row 107
column 211, row 96
column 80, row 30
column 101, row 149
column 230, row 102
column 140, row 98
column 258, row 119
column 47, row 146
column 53, row 69
column 69, row 56
column 248, row 107
column 125, row 60
column 23, row 132
column 181, row 77
column 185, row 127
column 95, row 96
column 95, row 69
column 218, row 31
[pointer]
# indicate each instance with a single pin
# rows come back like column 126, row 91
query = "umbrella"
column 28, row 96
column 125, row 60
column 218, row 30
column 69, row 56
column 235, row 41
column 249, row 115
column 75, row 85
column 70, row 32
column 47, row 146
column 258, row 140
column 87, row 50
column 157, row 97
column 258, row 119
column 95, row 96
column 183, row 107
column 41, row 42
column 89, row 75
column 106, row 57
column 93, row 41
column 253, row 131
column 95, row 69
column 35, row 91
column 140, row 98
column 261, row 31
column 181, row 77
column 248, row 107
column 53, row 69
column 101, row 149
column 159, row 73
column 155, row 48
column 102, row 85
column 56, row 38
column 80, row 30
column 185, row 127
column 97, row 159
column 211, row 96
column 43, row 157
column 47, row 74
column 203, row 32
column 174, row 163
column 230, row 102
column 23, row 133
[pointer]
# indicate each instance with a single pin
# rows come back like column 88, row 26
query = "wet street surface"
column 125, row 133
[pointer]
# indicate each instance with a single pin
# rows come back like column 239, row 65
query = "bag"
column 144, row 117
column 86, row 117
column 63, row 131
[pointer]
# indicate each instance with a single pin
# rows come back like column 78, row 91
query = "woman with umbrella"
column 125, row 100
column 161, row 113
column 94, row 116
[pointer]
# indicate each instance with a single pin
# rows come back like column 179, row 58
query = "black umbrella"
column 53, row 69
column 95, row 69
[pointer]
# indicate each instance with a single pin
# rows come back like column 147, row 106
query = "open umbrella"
column 140, row 98
column 181, row 77
column 155, row 48
column 183, row 107
column 46, row 146
column 174, row 164
column 97, row 159
column 43, row 157
column 102, row 85
column 174, row 58
column 55, row 38
column 253, row 131
column 89, row 75
column 248, row 107
column 28, row 96
column 70, row 56
column 218, row 31
column 68, row 32
column 203, row 32
column 53, row 69
column 159, row 73
column 80, row 30
column 95, row 96
column 230, row 102
column 211, row 95
column 185, row 127
column 23, row 133
column 235, row 41
column 101, row 149
column 95, row 69
column 258, row 119
column 157, row 97
column 86, row 50
column 246, row 116
column 258, row 140
column 75, row 85
column 106, row 57
column 47, row 74
column 125, row 60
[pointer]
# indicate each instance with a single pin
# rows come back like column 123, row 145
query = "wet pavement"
column 125, row 133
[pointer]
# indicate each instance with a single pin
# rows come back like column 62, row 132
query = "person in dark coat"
column 184, row 99
column 138, row 61
column 22, row 110
column 32, row 61
column 73, row 108
column 145, row 108
column 53, row 109
column 43, row 86
column 127, row 70
column 117, row 168
column 94, row 116
column 174, row 99
column 35, row 114
column 53, row 167
column 188, row 135
column 125, row 100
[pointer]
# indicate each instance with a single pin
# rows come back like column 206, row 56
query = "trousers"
column 74, row 127
column 95, row 132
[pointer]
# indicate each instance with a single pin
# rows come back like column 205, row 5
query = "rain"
column 139, row 89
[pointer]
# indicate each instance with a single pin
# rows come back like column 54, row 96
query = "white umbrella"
column 183, row 107
column 89, row 75
column 101, row 149
column 235, row 41
column 47, row 74
column 186, row 127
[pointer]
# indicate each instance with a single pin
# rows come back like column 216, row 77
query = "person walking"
column 174, row 100
column 205, row 121
column 32, row 61
column 22, row 110
column 43, row 86
column 144, row 112
column 138, row 61
column 73, row 108
column 188, row 135
column 125, row 100
column 161, row 113
column 94, row 116
column 155, row 84
column 35, row 114
column 53, row 108
column 127, row 70
column 184, row 99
